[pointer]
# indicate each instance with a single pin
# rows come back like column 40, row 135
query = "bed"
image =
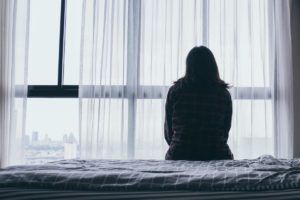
column 264, row 177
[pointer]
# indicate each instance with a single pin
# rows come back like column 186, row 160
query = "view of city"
column 50, row 133
column 42, row 148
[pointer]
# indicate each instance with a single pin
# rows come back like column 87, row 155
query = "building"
column 35, row 136
column 26, row 140
column 70, row 146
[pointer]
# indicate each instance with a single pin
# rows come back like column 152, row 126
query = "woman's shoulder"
column 175, row 89
column 178, row 85
column 224, row 92
column 182, row 85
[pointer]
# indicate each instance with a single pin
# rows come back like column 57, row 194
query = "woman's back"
column 198, row 120
column 198, row 111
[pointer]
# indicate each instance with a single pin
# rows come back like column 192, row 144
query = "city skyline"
column 35, row 136
column 39, row 149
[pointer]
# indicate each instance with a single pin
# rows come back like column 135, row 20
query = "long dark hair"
column 202, row 68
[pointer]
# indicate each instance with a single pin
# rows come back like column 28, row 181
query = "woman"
column 198, row 111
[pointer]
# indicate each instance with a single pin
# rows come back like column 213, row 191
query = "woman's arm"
column 168, row 119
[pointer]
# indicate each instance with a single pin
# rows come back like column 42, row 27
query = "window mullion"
column 133, row 45
column 205, row 24
column 61, row 43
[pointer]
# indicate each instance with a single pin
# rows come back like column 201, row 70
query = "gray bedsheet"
column 263, row 173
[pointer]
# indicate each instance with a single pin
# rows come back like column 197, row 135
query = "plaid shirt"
column 197, row 122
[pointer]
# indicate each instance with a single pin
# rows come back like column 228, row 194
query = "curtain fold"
column 132, row 51
column 282, row 76
column 14, row 17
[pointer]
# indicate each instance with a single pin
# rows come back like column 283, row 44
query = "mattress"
column 261, row 174
column 263, row 178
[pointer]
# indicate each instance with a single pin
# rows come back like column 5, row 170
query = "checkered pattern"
column 197, row 123
column 264, row 173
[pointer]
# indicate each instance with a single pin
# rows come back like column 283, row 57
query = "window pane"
column 104, row 43
column 73, row 38
column 43, row 41
column 104, row 127
column 240, row 42
column 51, row 130
column 251, row 133
column 169, row 29
column 149, row 139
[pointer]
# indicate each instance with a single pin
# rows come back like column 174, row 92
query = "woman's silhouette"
column 198, row 111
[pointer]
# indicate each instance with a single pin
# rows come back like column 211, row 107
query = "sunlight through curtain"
column 132, row 51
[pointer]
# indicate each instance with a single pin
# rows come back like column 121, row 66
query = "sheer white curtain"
column 132, row 51
column 14, row 17
column 103, row 77
column 238, row 34
column 282, row 76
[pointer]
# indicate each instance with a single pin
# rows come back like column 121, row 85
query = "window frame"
column 60, row 90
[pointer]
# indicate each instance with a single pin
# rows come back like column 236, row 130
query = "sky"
column 54, row 117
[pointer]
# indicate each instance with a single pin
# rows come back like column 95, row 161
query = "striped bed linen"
column 261, row 174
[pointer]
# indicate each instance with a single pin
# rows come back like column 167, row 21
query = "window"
column 52, row 131
column 52, row 117
column 54, row 72
column 44, row 32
